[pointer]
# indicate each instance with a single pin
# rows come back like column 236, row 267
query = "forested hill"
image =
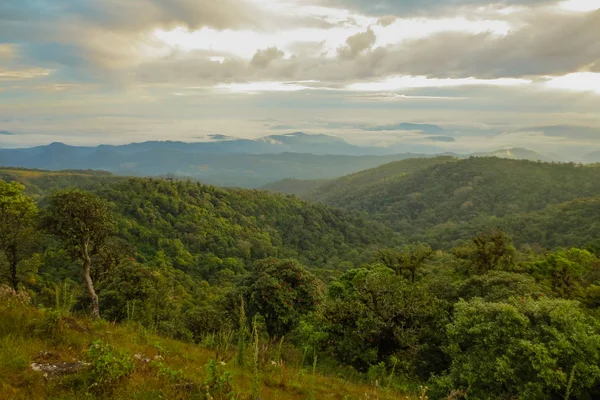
column 573, row 223
column 203, row 229
column 330, row 189
column 39, row 182
column 337, row 191
column 461, row 191
column 298, row 187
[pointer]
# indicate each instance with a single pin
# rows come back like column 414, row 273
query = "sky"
column 492, row 74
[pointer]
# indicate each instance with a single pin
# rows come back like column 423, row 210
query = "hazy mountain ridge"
column 229, row 162
column 386, row 171
column 235, row 162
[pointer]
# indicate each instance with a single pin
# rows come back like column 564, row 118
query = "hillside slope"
column 338, row 190
column 203, row 228
column 574, row 223
column 199, row 227
column 131, row 363
column 40, row 182
column 298, row 187
column 461, row 191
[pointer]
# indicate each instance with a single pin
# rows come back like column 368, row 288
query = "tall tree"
column 83, row 221
column 487, row 251
column 17, row 218
column 281, row 291
column 407, row 260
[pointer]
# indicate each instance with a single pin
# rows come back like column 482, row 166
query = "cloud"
column 24, row 73
column 357, row 44
column 282, row 127
column 219, row 136
column 7, row 133
column 113, row 34
column 135, row 15
column 263, row 86
column 419, row 7
column 262, row 58
column 7, row 51
column 408, row 82
column 567, row 131
column 580, row 5
column 577, row 81
column 395, row 97
column 461, row 62
column 533, row 49
column 443, row 139
column 403, row 126
column 528, row 52
column 386, row 20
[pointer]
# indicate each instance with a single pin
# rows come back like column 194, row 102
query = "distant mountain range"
column 231, row 162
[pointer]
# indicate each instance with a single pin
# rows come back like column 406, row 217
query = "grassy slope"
column 25, row 332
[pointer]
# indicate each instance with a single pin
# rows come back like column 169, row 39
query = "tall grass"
column 242, row 334
column 64, row 297
column 256, row 370
column 172, row 373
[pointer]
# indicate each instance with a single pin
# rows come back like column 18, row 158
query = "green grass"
column 178, row 369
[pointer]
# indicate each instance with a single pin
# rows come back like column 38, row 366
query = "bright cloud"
column 257, row 87
column 411, row 82
column 245, row 43
column 578, row 81
column 580, row 5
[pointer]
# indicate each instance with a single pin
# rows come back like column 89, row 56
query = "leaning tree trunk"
column 87, row 266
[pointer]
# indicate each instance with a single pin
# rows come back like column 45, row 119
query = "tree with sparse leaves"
column 83, row 222
column 17, row 219
column 406, row 261
column 488, row 250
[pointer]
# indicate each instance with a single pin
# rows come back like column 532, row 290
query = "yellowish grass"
column 22, row 339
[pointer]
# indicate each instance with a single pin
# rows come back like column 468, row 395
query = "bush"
column 107, row 366
column 174, row 375
column 218, row 383
column 524, row 349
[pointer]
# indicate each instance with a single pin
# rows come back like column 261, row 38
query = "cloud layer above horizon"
column 491, row 73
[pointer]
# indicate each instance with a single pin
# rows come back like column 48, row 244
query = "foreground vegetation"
column 297, row 300
column 126, row 361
